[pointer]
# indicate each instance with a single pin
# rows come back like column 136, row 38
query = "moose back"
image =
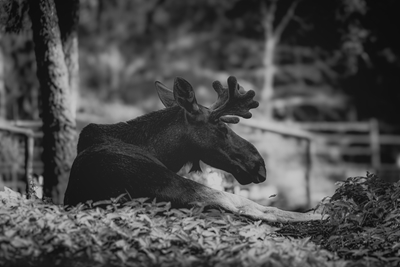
column 140, row 157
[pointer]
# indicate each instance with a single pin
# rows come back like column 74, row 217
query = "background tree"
column 273, row 30
column 334, row 60
column 2, row 86
column 68, row 18
column 21, row 86
column 59, row 140
column 373, row 51
column 319, row 73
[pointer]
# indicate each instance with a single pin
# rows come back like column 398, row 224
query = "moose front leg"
column 184, row 192
column 246, row 207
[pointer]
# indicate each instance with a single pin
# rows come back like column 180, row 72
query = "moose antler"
column 233, row 100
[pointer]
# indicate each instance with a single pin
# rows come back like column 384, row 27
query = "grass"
column 363, row 230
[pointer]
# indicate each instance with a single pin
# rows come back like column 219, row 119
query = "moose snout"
column 262, row 174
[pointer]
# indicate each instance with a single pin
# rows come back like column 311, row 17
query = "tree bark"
column 59, row 147
column 2, row 86
column 270, row 69
column 269, row 52
column 68, row 18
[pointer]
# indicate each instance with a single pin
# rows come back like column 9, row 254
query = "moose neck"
column 162, row 134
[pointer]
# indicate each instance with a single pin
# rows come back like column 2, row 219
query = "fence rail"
column 352, row 139
column 288, row 131
column 356, row 139
column 29, row 150
column 344, row 139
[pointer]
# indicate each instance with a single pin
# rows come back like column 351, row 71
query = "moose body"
column 141, row 157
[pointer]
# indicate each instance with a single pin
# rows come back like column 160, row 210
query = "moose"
column 141, row 157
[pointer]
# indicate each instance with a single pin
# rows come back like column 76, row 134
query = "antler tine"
column 232, row 102
column 222, row 95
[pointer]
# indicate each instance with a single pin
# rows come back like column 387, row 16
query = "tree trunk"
column 270, row 43
column 59, row 147
column 270, row 68
column 2, row 86
column 68, row 18
column 272, row 39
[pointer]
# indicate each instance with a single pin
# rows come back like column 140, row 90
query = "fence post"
column 29, row 146
column 375, row 144
column 308, row 171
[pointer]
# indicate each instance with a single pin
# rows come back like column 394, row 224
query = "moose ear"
column 184, row 95
column 166, row 95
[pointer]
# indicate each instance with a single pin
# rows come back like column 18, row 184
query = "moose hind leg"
column 107, row 174
column 104, row 173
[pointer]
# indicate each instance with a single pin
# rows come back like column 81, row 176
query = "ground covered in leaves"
column 363, row 229
column 364, row 223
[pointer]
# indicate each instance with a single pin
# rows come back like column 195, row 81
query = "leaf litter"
column 364, row 222
column 145, row 233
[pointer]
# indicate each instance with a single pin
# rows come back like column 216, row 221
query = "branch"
column 286, row 19
column 302, row 23
column 269, row 16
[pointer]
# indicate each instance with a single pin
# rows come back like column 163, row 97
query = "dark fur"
column 141, row 157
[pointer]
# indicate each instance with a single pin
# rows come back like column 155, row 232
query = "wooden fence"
column 357, row 146
column 28, row 135
column 352, row 139
column 293, row 132
column 360, row 143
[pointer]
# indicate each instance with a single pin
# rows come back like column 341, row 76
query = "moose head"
column 207, row 135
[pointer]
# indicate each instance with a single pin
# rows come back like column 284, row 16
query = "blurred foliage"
column 337, row 60
column 12, row 150
column 22, row 86
column 13, row 15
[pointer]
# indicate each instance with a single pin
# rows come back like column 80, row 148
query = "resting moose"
column 140, row 157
